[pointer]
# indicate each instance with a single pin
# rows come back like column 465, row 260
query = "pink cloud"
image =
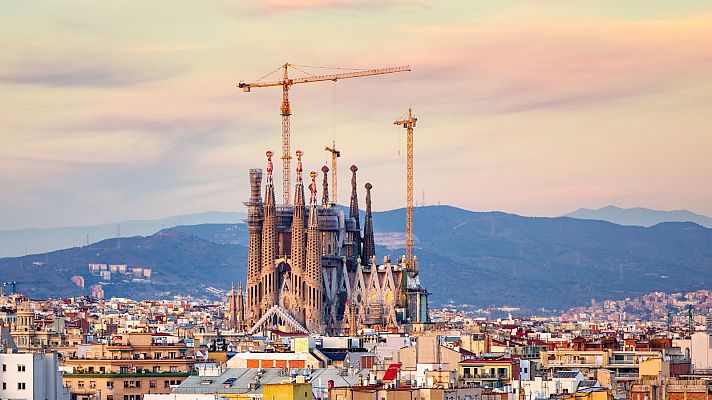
column 286, row 6
column 513, row 69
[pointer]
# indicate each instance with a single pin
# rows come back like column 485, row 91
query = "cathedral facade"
column 312, row 269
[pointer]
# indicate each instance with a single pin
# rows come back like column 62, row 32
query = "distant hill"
column 640, row 216
column 181, row 264
column 38, row 240
column 477, row 258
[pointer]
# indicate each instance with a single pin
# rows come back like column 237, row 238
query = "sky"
column 128, row 110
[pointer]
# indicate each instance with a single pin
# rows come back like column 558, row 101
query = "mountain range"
column 39, row 240
column 640, row 216
column 475, row 258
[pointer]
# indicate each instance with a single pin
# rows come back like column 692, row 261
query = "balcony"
column 486, row 376
column 627, row 363
column 128, row 374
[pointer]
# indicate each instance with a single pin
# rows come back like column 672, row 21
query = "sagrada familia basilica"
column 311, row 268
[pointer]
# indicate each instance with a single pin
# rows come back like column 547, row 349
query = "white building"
column 701, row 350
column 559, row 383
column 25, row 376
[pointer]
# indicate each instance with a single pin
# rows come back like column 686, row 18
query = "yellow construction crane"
column 334, row 155
column 285, row 110
column 408, row 123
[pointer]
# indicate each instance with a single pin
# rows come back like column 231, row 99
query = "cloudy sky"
column 121, row 110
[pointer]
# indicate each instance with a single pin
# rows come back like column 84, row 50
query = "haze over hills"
column 38, row 240
column 640, row 216
column 478, row 258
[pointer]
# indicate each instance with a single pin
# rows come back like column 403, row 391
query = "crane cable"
column 269, row 74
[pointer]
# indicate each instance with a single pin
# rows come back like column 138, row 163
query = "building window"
column 174, row 369
column 4, row 386
column 92, row 384
column 80, row 384
column 110, row 397
column 109, row 385
column 124, row 370
column 4, row 368
column 152, row 384
column 20, row 368
column 20, row 385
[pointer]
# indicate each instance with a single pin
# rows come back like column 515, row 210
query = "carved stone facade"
column 305, row 266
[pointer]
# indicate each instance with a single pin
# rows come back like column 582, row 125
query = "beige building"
column 426, row 355
column 625, row 364
column 131, row 366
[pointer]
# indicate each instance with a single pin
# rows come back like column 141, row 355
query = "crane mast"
column 409, row 123
column 334, row 155
column 286, row 111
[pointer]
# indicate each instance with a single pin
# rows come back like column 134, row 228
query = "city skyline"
column 130, row 111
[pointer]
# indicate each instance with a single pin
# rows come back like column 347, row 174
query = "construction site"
column 312, row 267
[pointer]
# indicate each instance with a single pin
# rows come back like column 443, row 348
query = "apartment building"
column 130, row 366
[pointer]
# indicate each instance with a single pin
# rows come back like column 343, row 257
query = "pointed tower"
column 313, row 278
column 369, row 243
column 325, row 186
column 240, row 309
column 299, row 239
column 232, row 308
column 255, row 216
column 270, row 291
column 354, row 213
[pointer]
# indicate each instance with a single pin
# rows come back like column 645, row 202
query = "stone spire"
column 354, row 213
column 313, row 279
column 255, row 216
column 369, row 244
column 325, row 185
column 232, row 308
column 240, row 320
column 269, row 244
column 298, row 247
